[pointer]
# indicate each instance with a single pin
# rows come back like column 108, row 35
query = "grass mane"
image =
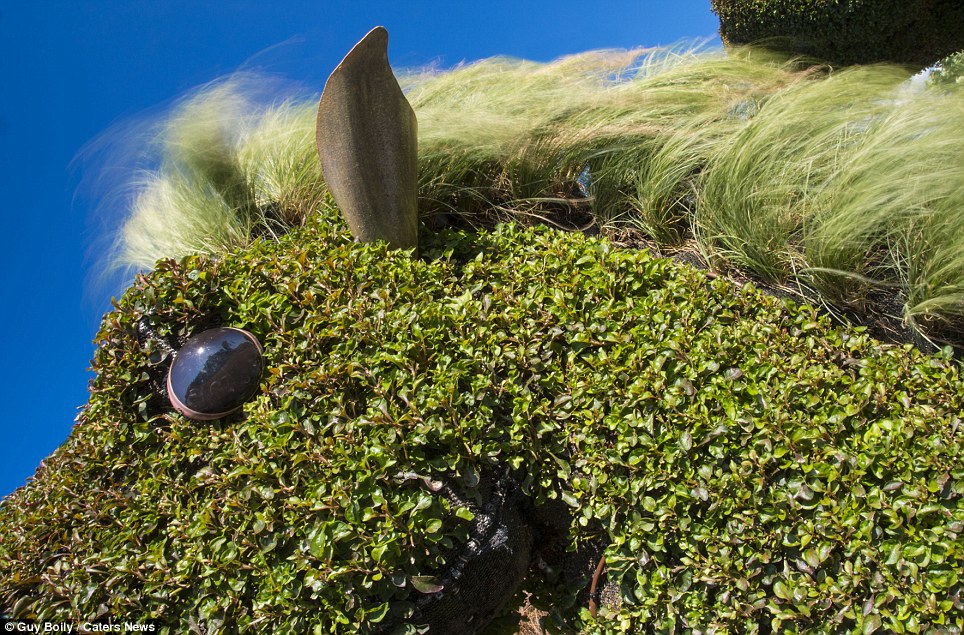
column 838, row 184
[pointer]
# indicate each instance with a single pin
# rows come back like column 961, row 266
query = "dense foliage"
column 914, row 32
column 949, row 71
column 752, row 468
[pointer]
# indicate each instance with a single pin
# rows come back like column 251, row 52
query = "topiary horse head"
column 433, row 439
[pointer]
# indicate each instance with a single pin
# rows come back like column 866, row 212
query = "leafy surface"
column 753, row 469
column 912, row 32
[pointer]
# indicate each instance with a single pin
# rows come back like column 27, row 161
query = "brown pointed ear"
column 367, row 141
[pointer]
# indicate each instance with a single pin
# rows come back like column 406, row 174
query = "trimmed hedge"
column 912, row 32
column 950, row 71
column 752, row 468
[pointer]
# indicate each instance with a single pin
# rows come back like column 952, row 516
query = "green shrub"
column 949, row 71
column 752, row 468
column 912, row 32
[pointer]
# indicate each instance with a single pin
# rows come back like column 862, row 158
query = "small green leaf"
column 378, row 613
column 871, row 624
column 569, row 499
column 686, row 441
column 426, row 584
column 378, row 553
column 781, row 590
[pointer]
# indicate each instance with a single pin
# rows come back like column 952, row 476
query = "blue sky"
column 70, row 69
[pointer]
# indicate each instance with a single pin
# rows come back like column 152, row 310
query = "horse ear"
column 367, row 137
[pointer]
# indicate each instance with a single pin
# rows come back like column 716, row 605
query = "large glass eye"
column 214, row 373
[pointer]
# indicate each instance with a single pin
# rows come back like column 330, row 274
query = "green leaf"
column 378, row 613
column 426, row 584
column 781, row 590
column 686, row 441
column 378, row 553
column 569, row 499
column 871, row 624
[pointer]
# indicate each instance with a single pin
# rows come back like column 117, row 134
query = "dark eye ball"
column 214, row 373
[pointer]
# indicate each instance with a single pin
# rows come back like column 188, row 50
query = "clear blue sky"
column 69, row 69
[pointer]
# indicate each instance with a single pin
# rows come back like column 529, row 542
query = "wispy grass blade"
column 767, row 186
column 230, row 169
column 846, row 182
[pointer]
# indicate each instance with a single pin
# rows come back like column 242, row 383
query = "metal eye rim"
column 208, row 416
